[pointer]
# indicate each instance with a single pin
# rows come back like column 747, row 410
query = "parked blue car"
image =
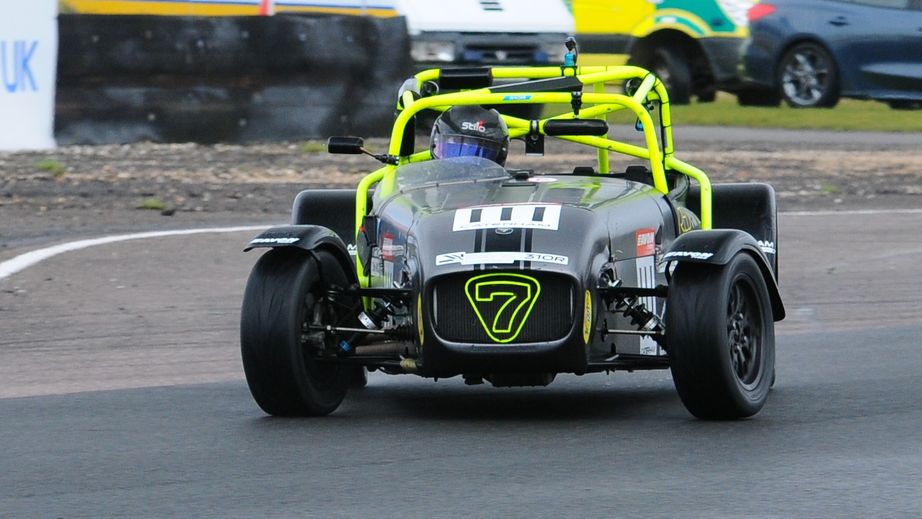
column 812, row 52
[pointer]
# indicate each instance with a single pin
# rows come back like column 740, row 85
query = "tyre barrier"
column 227, row 79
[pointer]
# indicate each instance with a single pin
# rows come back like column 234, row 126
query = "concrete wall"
column 227, row 79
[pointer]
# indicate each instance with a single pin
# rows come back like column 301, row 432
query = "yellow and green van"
column 692, row 45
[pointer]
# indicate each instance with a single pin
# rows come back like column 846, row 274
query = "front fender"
column 718, row 247
column 308, row 238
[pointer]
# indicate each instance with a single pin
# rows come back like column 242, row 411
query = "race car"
column 463, row 267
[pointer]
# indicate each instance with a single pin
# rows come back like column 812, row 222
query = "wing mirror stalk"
column 356, row 146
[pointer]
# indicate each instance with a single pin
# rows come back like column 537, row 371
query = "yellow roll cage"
column 596, row 104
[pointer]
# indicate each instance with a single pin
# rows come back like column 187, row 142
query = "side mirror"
column 575, row 127
column 346, row 145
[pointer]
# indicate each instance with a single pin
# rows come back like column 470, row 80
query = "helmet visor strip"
column 466, row 146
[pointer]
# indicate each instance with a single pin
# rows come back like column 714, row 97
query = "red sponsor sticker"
column 646, row 242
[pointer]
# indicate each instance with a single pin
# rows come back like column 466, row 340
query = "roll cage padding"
column 718, row 247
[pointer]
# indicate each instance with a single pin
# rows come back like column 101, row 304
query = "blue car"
column 812, row 52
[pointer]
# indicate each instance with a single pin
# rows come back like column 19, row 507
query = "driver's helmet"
column 470, row 131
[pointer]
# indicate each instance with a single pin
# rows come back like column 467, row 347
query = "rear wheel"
column 289, row 291
column 721, row 338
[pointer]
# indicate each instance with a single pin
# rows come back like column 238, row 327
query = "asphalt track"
column 122, row 395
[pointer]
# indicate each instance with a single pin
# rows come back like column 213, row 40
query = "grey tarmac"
column 122, row 394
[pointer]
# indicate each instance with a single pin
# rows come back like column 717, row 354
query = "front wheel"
column 721, row 338
column 289, row 292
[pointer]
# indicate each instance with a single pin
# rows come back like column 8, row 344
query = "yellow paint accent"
column 180, row 8
column 587, row 318
column 603, row 59
column 159, row 8
column 378, row 13
column 523, row 308
column 606, row 16
column 419, row 319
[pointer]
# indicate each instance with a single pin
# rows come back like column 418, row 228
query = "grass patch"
column 152, row 204
column 829, row 189
column 51, row 166
column 314, row 147
column 848, row 115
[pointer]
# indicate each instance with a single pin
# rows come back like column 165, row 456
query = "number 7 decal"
column 506, row 300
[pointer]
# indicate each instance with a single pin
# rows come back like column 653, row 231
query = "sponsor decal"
column 542, row 180
column 646, row 242
column 768, row 247
column 474, row 126
column 521, row 216
column 274, row 241
column 479, row 258
column 587, row 318
column 646, row 278
column 352, row 249
column 687, row 254
column 519, row 97
column 509, row 298
column 388, row 249
column 685, row 222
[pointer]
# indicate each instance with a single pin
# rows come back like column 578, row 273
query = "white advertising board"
column 28, row 60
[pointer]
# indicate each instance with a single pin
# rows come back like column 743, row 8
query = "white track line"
column 24, row 261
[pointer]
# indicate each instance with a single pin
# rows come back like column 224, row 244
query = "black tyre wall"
column 283, row 378
column 699, row 344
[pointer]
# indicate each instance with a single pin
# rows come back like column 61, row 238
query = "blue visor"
column 465, row 146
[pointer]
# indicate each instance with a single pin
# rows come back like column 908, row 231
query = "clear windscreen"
column 448, row 170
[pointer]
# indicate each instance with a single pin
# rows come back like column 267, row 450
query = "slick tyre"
column 286, row 293
column 721, row 338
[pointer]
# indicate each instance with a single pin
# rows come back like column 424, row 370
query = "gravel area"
column 82, row 190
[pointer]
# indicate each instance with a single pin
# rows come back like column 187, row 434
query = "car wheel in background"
column 672, row 68
column 807, row 77
column 721, row 339
column 286, row 293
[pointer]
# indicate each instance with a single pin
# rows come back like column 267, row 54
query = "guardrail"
column 226, row 79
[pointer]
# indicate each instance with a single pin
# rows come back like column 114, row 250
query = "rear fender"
column 308, row 238
column 718, row 247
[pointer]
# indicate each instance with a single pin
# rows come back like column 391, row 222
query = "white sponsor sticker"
column 523, row 216
column 646, row 278
column 768, row 247
column 277, row 241
column 687, row 254
column 478, row 258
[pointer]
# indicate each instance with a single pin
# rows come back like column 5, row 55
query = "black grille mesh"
column 456, row 321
